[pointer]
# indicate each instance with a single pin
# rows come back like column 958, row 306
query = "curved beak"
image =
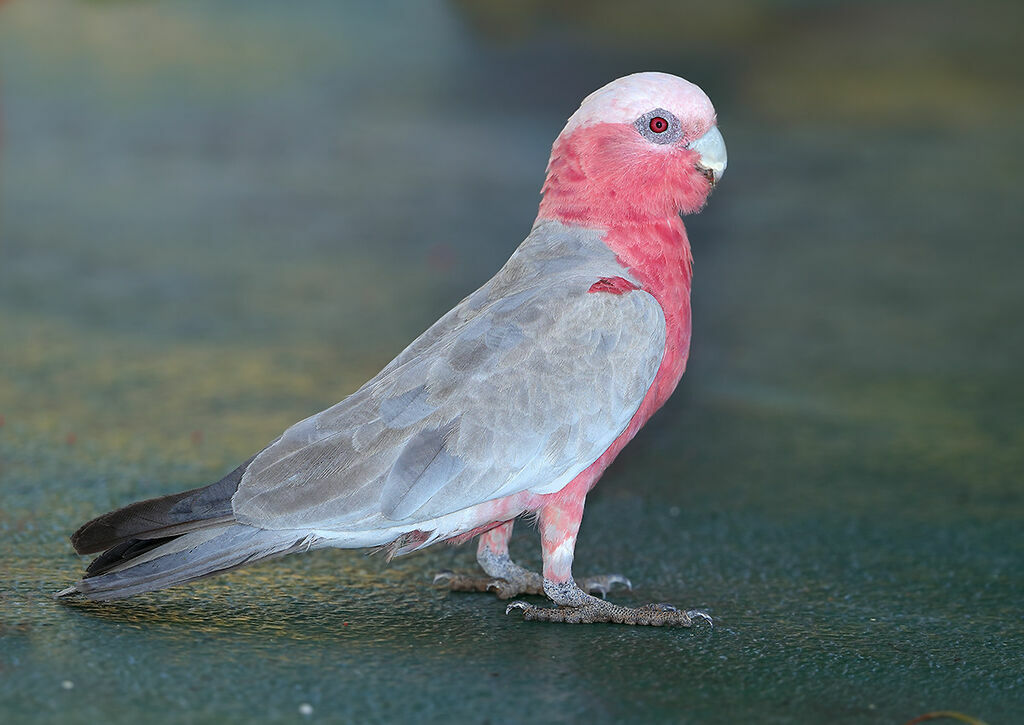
column 713, row 159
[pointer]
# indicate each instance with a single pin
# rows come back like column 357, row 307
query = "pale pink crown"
column 626, row 99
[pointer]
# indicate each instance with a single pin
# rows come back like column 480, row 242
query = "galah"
column 512, row 404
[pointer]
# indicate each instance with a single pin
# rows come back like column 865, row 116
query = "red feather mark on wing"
column 613, row 285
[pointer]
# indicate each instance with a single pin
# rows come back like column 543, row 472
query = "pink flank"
column 607, row 176
column 596, row 178
column 495, row 539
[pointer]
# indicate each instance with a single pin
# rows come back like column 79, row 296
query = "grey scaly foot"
column 603, row 584
column 655, row 615
column 504, row 577
column 527, row 583
column 577, row 607
column 522, row 581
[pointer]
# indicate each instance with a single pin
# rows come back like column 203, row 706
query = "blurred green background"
column 218, row 218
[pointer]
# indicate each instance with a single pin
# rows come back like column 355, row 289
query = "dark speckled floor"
column 217, row 220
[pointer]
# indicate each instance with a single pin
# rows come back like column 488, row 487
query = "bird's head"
column 642, row 148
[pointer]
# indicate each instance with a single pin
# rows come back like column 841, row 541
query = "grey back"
column 518, row 388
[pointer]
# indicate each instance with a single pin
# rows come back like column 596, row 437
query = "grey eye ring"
column 659, row 126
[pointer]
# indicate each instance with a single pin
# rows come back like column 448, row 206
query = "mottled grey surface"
column 217, row 219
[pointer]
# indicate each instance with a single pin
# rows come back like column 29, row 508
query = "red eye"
column 659, row 124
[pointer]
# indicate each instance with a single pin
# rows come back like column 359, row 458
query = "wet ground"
column 216, row 220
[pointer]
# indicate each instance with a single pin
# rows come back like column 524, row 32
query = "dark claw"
column 517, row 605
column 694, row 613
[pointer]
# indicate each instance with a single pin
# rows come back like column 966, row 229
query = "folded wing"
column 516, row 393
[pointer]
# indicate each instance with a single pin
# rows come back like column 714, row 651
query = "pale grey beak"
column 713, row 159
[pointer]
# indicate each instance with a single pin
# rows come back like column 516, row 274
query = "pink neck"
column 658, row 256
column 595, row 181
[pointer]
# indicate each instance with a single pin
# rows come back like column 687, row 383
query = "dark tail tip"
column 161, row 517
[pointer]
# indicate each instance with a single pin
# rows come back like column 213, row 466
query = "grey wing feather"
column 519, row 399
column 520, row 387
column 422, row 468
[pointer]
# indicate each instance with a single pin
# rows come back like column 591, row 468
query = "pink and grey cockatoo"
column 513, row 403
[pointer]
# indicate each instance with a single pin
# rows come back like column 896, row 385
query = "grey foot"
column 528, row 583
column 603, row 584
column 655, row 615
column 523, row 581
column 577, row 607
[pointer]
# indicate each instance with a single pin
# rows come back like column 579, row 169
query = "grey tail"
column 164, row 541
column 185, row 558
column 158, row 518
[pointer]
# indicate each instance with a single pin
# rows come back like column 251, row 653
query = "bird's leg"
column 559, row 525
column 506, row 578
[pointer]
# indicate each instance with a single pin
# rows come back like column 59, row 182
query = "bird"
column 511, row 406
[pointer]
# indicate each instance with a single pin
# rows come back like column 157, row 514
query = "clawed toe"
column 518, row 605
column 462, row 582
column 501, row 588
column 603, row 584
column 577, row 607
column 696, row 613
column 504, row 589
column 652, row 615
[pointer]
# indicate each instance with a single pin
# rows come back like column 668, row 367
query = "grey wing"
column 522, row 394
